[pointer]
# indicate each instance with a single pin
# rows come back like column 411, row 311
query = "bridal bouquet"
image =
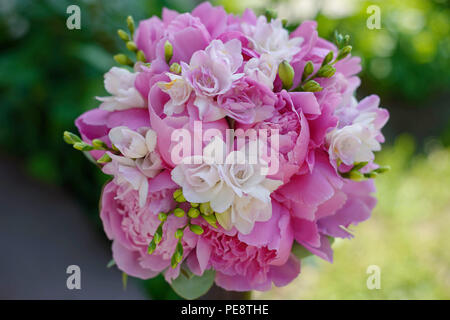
column 236, row 148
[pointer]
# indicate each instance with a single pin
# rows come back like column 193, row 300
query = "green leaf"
column 300, row 251
column 194, row 287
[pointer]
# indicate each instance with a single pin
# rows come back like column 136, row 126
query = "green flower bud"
column 82, row 146
column 371, row 175
column 338, row 39
column 157, row 237
column 194, row 205
column 123, row 35
column 168, row 51
column 328, row 58
column 359, row 165
column 308, row 70
column 162, row 216
column 193, row 213
column 131, row 46
column 114, row 148
column 178, row 196
column 286, row 74
column 382, row 169
column 195, row 228
column 71, row 138
column 110, row 263
column 140, row 56
column 345, row 51
column 284, row 22
column 123, row 59
column 312, row 86
column 104, row 159
column 99, row 144
column 356, row 175
column 270, row 14
column 173, row 262
column 175, row 68
column 206, row 209
column 326, row 71
column 178, row 212
column 346, row 39
column 179, row 233
column 179, row 251
column 211, row 219
column 151, row 247
column 130, row 24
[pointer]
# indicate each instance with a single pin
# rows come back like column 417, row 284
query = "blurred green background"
column 49, row 75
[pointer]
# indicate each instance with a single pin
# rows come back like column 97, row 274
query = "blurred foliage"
column 49, row 75
column 407, row 236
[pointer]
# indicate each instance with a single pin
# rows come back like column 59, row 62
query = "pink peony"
column 131, row 228
column 249, row 262
column 248, row 102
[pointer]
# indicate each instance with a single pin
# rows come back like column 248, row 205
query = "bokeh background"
column 49, row 192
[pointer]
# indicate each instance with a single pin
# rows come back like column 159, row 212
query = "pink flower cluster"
column 222, row 70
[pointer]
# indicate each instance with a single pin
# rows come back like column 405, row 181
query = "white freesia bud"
column 119, row 83
column 262, row 69
column 272, row 38
column 130, row 143
column 354, row 143
column 178, row 90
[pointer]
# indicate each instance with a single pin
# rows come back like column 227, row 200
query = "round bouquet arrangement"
column 236, row 148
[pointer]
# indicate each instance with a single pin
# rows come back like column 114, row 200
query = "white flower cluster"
column 357, row 135
column 139, row 159
column 238, row 191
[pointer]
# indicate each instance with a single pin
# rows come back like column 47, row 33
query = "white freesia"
column 126, row 173
column 262, row 69
column 354, row 143
column 237, row 189
column 150, row 140
column 139, row 160
column 272, row 38
column 243, row 214
column 199, row 176
column 226, row 52
column 119, row 83
column 211, row 72
column 130, row 143
column 179, row 91
column 150, row 165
